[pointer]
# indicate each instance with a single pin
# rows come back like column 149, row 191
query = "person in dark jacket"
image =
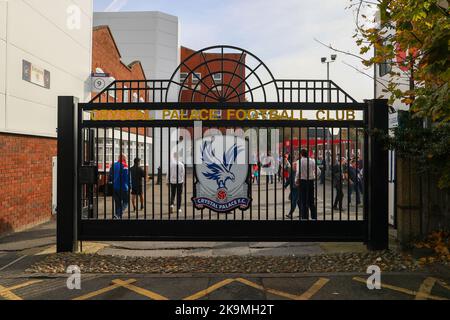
column 120, row 179
column 354, row 181
column 294, row 194
column 137, row 177
column 338, row 172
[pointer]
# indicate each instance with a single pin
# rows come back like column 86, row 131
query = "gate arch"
column 256, row 80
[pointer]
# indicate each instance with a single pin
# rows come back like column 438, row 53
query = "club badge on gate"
column 221, row 168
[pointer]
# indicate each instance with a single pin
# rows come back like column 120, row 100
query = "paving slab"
column 40, row 236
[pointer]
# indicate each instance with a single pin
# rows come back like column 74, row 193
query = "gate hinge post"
column 377, row 175
column 67, row 175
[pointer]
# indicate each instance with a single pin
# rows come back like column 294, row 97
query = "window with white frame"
column 196, row 77
column 183, row 79
column 217, row 78
column 125, row 94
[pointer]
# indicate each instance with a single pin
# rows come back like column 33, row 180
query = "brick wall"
column 233, row 86
column 25, row 180
column 106, row 55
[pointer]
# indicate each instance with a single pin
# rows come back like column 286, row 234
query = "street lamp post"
column 325, row 60
column 330, row 132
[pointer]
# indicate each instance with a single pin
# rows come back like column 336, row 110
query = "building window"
column 384, row 68
column 196, row 77
column 217, row 78
column 126, row 98
column 183, row 80
column 135, row 97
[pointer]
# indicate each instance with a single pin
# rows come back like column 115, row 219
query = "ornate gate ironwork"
column 138, row 119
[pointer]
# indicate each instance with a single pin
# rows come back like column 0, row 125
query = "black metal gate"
column 222, row 90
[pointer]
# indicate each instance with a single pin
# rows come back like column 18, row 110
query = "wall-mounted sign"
column 35, row 74
column 99, row 81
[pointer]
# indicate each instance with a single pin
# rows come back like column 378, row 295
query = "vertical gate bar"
column 178, row 177
column 366, row 163
column 292, row 170
column 357, row 163
column 105, row 176
column 160, row 171
column 112, row 168
column 145, row 174
column 202, row 210
column 267, row 175
column 333, row 163
column 299, row 167
column 97, row 182
column 341, row 156
column 153, row 172
column 315, row 154
column 325, row 167
column 169, row 161
column 235, row 143
column 316, row 191
column 348, row 169
column 137, row 156
column 122, row 168
column 185, row 174
column 259, row 175
column 275, row 171
column 340, row 168
column 308, row 173
column 224, row 148
column 321, row 91
column 314, row 91
column 194, row 173
column 283, row 168
column 249, row 165
column 306, row 91
column 129, row 161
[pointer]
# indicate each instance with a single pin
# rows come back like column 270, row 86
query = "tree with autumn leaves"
column 413, row 37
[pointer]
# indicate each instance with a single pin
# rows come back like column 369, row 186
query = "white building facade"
column 45, row 52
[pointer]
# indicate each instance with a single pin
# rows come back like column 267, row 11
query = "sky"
column 280, row 32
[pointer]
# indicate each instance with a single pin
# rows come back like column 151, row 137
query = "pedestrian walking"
column 120, row 179
column 255, row 173
column 354, row 182
column 338, row 178
column 306, row 174
column 294, row 194
column 137, row 179
column 286, row 167
column 176, row 181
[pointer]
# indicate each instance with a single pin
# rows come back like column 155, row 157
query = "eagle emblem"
column 222, row 182
column 219, row 170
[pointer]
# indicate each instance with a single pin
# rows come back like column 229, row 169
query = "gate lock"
column 88, row 174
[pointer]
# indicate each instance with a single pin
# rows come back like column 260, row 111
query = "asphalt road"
column 225, row 287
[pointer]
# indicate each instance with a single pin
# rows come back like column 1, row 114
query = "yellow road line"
column 141, row 291
column 210, row 289
column 104, row 290
column 425, row 288
column 314, row 289
column 8, row 295
column 272, row 291
column 402, row 290
column 443, row 284
column 305, row 296
column 7, row 292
